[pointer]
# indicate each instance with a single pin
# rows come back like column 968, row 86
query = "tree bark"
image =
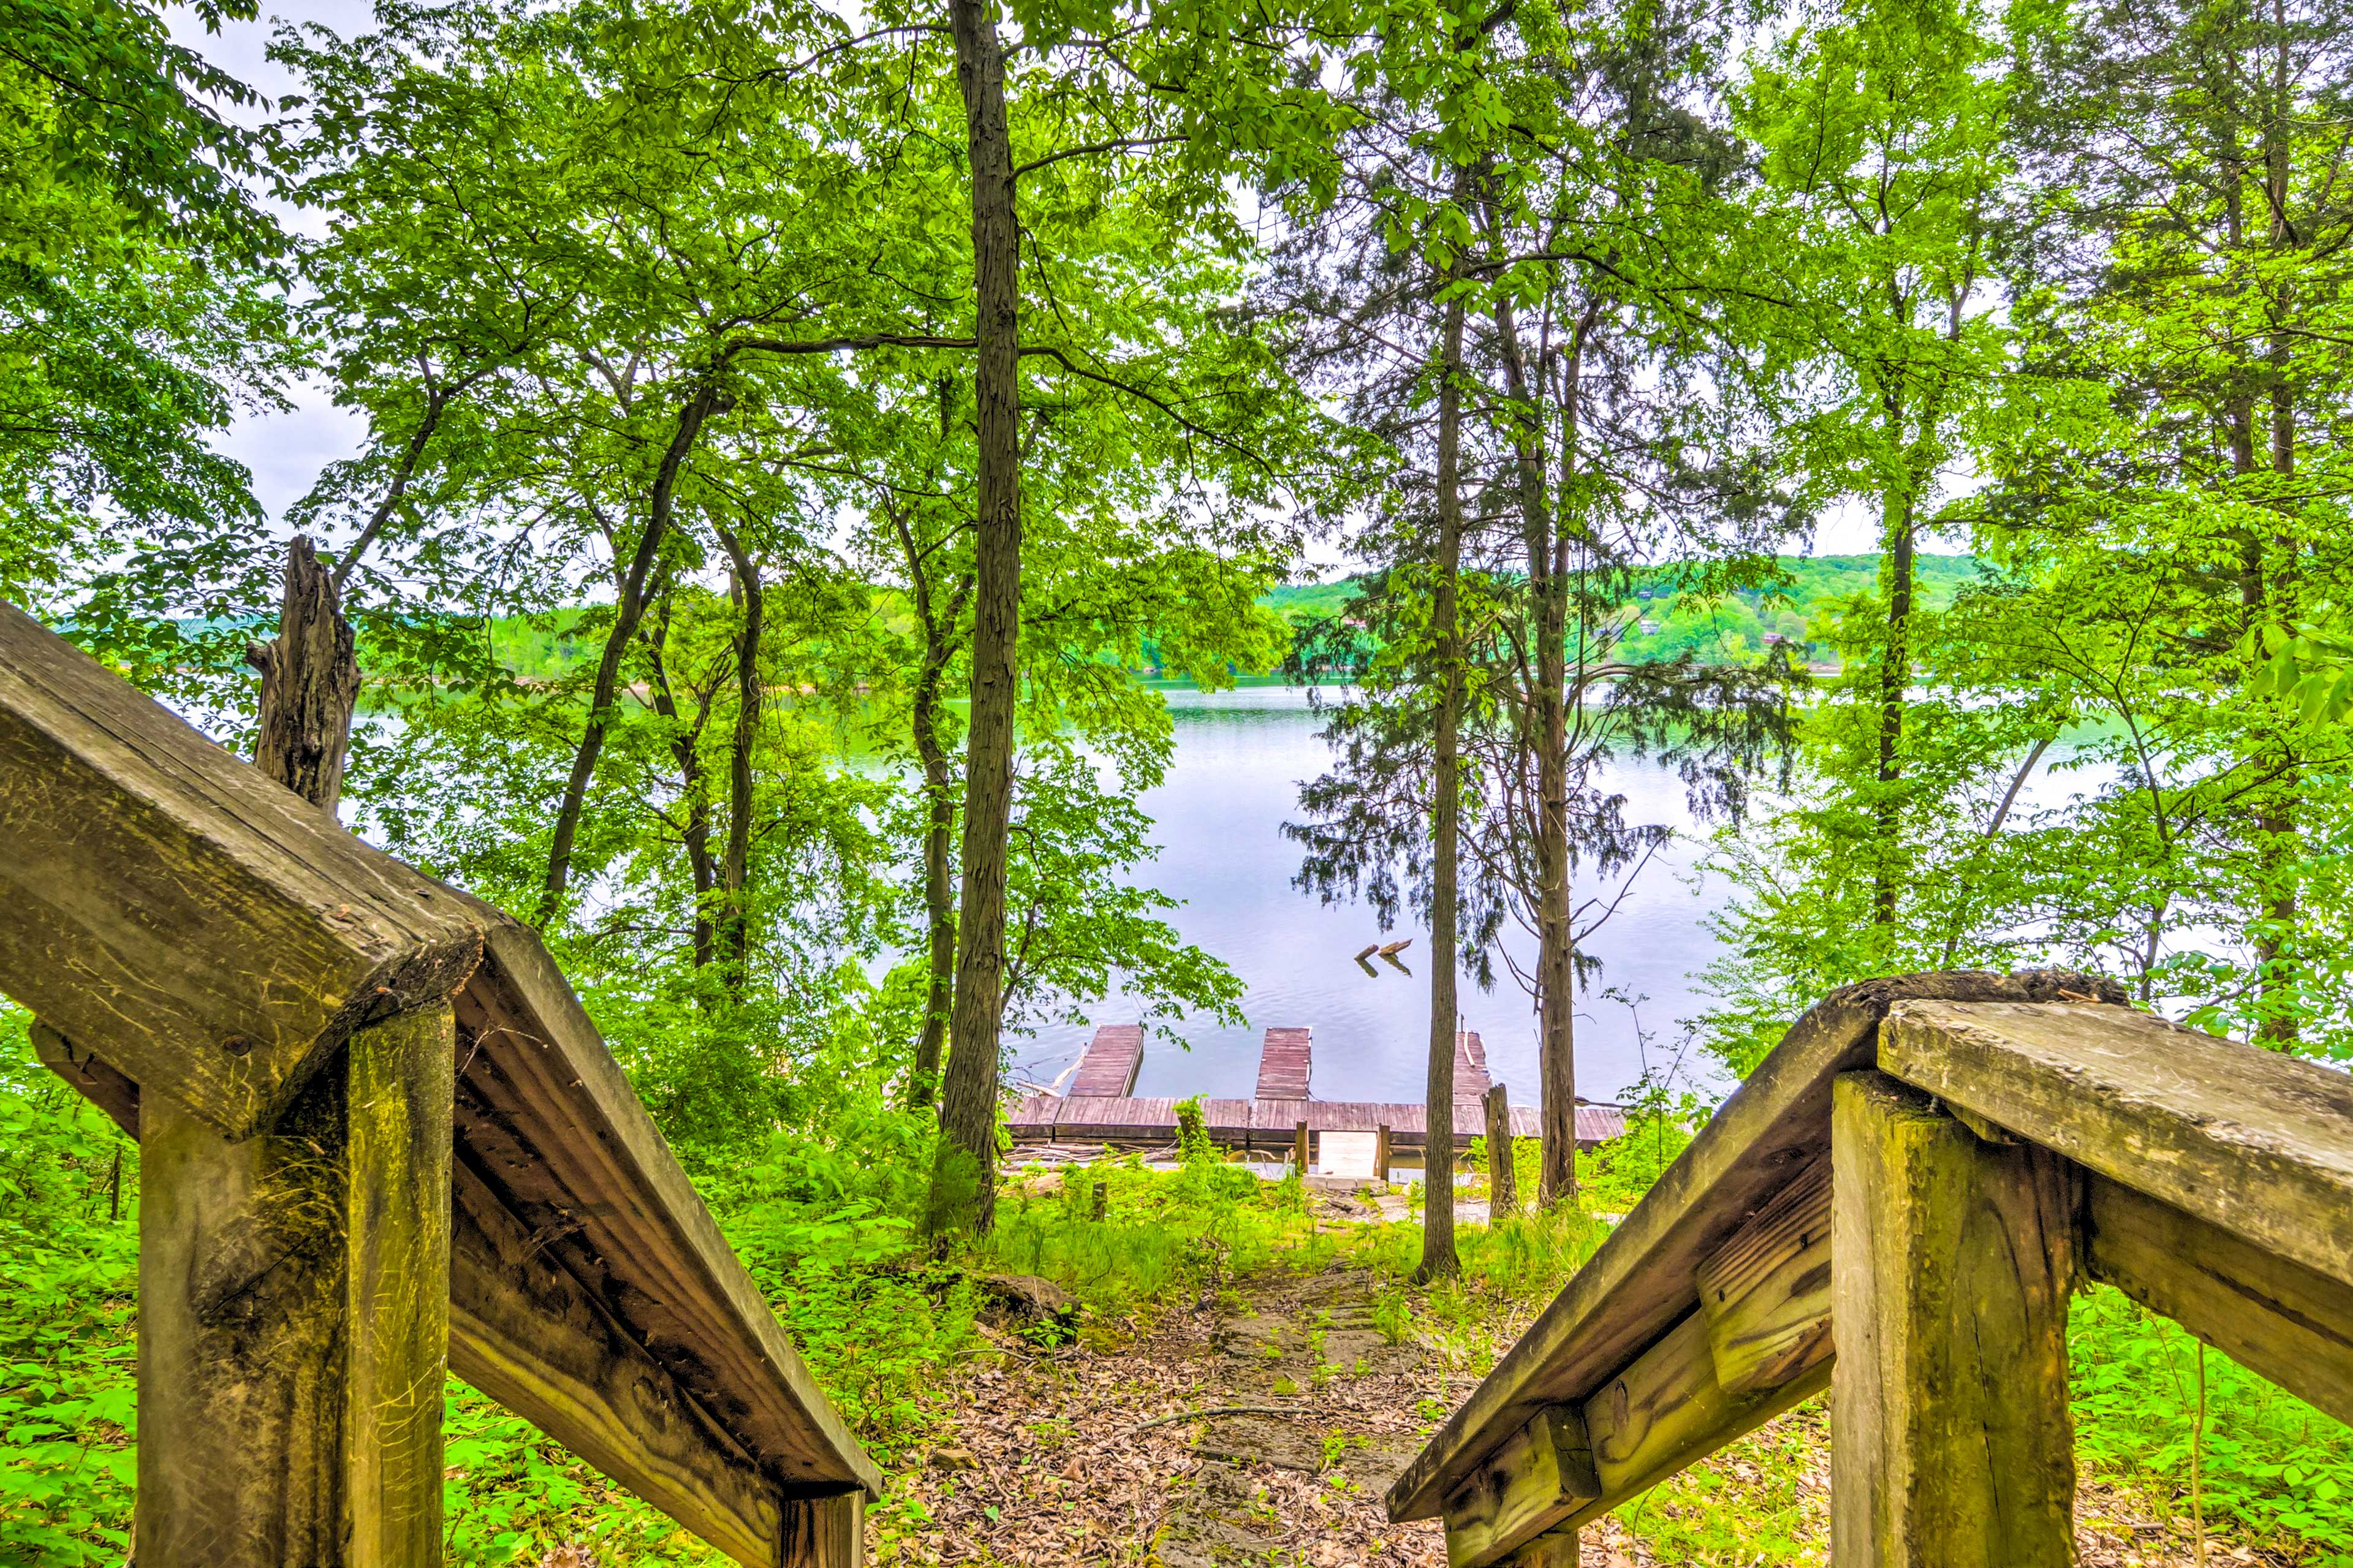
column 939, row 812
column 310, row 684
column 963, row 1191
column 630, row 610
column 1898, row 537
column 1544, row 543
column 686, row 749
column 735, row 865
column 1438, row 1257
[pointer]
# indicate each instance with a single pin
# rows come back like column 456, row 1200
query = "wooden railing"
column 379, row 1138
column 1896, row 1206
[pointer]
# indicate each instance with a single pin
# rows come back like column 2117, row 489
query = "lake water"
column 1241, row 757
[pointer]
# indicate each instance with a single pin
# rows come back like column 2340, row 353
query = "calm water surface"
column 1241, row 757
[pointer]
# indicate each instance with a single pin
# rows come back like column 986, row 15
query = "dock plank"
column 1471, row 1077
column 1285, row 1063
column 1114, row 1058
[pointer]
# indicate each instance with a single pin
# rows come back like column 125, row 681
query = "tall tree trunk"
column 939, row 893
column 1438, row 1257
column 962, row 1183
column 735, row 866
column 686, row 750
column 1897, row 539
column 631, row 609
column 2276, row 821
column 1544, row 541
column 939, row 810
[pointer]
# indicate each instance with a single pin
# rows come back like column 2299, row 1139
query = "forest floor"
column 1132, row 1452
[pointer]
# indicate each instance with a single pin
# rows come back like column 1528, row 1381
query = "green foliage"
column 2152, row 1404
column 69, row 1275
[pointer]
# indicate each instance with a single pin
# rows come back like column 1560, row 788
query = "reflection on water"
column 1240, row 759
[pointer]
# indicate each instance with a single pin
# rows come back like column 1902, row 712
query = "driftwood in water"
column 1370, row 948
column 1391, row 949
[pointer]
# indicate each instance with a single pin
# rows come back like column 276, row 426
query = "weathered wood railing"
column 1896, row 1205
column 379, row 1138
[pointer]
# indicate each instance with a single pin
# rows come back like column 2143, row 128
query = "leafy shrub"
column 2273, row 1468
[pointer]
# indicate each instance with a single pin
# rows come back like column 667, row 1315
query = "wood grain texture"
column 524, row 1332
column 395, row 1325
column 1541, row 1475
column 168, row 908
column 553, row 1127
column 1951, row 1445
column 2257, row 1144
column 92, row 1079
column 825, row 1532
column 1112, row 1061
column 2289, row 1323
column 1556, row 1548
column 1285, row 1064
column 1766, row 1291
column 1642, row 1280
column 310, row 684
column 293, row 1293
column 1666, row 1411
column 1503, row 1178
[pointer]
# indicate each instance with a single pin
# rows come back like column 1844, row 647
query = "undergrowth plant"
column 2203, row 1440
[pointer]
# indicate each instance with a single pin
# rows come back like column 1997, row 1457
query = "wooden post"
column 826, row 1532
column 1951, row 1261
column 1299, row 1145
column 293, row 1319
column 1103, row 1199
column 1502, row 1180
column 1381, row 1154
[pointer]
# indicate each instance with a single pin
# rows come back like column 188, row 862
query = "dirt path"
column 1068, row 1457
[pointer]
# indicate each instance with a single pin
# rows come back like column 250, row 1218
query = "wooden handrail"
column 198, row 943
column 2210, row 1180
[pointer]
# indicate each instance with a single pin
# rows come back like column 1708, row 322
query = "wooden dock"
column 1114, row 1058
column 1269, row 1125
column 1284, row 1064
column 1471, row 1078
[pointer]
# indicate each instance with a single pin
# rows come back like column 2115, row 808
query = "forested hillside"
column 793, row 451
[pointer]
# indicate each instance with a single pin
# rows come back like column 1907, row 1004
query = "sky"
column 285, row 450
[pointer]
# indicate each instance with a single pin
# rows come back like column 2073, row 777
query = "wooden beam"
column 293, row 1293
column 611, row 1222
column 528, row 1335
column 1502, row 1180
column 2287, row 1323
column 1641, row 1281
column 1556, row 1548
column 524, row 1332
column 1951, row 1445
column 1541, row 1475
column 1381, row 1154
column 550, row 1122
column 1666, row 1411
column 94, row 1079
column 2255, row 1142
column 167, row 907
column 1766, row 1291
